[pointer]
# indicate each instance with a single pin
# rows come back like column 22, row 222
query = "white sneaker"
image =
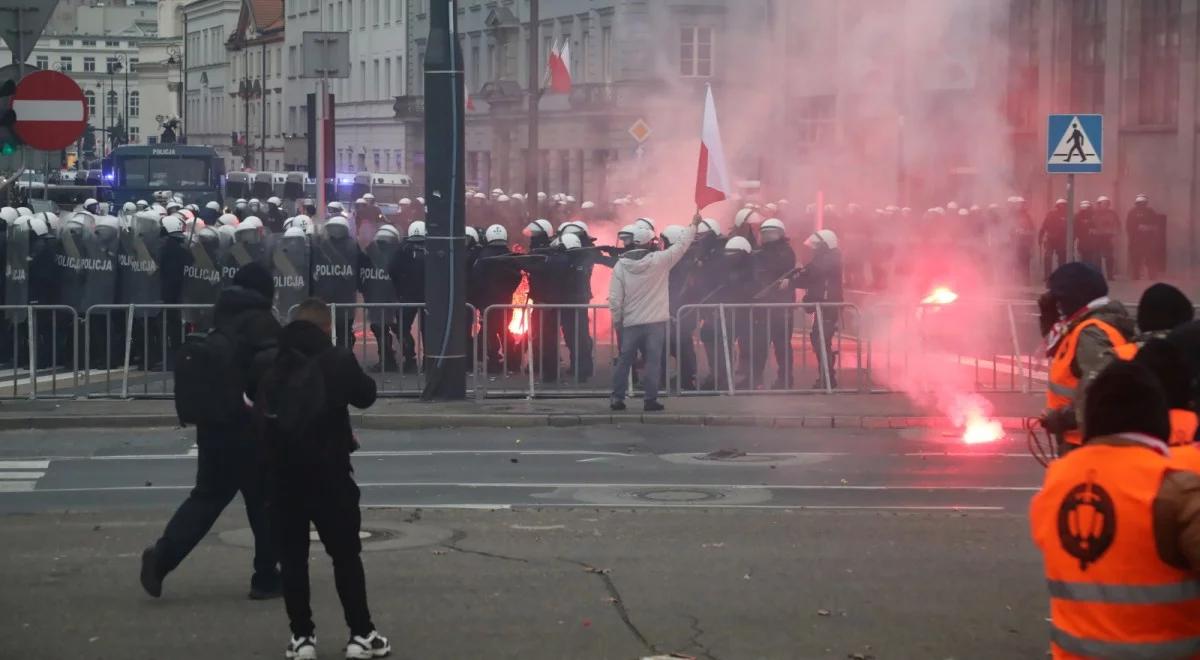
column 371, row 646
column 302, row 648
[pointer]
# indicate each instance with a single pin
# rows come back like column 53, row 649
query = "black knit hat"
column 1163, row 307
column 256, row 277
column 1076, row 284
column 1126, row 398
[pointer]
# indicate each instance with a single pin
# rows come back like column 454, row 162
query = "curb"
column 512, row 420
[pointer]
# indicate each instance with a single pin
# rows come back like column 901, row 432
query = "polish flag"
column 712, row 176
column 560, row 69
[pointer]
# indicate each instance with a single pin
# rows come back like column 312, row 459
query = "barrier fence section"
column 982, row 346
column 522, row 350
column 389, row 341
column 767, row 348
column 132, row 348
column 39, row 351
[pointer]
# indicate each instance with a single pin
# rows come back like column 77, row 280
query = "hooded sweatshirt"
column 638, row 293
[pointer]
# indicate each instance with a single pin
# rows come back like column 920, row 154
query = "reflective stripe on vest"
column 1128, row 594
column 1126, row 351
column 1183, row 427
column 1111, row 594
column 1091, row 648
column 1063, row 383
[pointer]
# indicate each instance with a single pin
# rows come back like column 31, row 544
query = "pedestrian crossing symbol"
column 1075, row 144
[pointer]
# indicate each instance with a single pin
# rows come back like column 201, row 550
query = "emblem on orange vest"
column 1087, row 522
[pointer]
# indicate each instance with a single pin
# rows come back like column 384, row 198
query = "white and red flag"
column 712, row 176
column 560, row 68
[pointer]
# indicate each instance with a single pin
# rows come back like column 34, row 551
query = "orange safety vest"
column 1063, row 383
column 1186, row 457
column 1126, row 351
column 1111, row 596
column 1183, row 427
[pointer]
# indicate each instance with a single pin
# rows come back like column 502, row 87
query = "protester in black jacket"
column 407, row 270
column 228, row 454
column 309, row 441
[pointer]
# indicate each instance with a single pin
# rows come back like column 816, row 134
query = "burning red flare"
column 971, row 412
column 519, row 324
column 942, row 295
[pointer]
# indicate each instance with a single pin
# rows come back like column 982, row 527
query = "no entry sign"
column 50, row 109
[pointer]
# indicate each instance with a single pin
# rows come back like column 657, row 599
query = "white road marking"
column 17, row 486
column 537, row 528
column 661, row 485
column 373, row 454
column 25, row 465
column 970, row 454
column 21, row 475
column 690, row 505
column 480, row 507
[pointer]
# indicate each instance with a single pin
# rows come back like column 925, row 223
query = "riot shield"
column 376, row 282
column 141, row 282
column 202, row 278
column 239, row 254
column 16, row 272
column 335, row 270
column 101, row 264
column 290, row 269
column 71, row 265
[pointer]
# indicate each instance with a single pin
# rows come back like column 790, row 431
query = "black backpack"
column 209, row 381
column 291, row 396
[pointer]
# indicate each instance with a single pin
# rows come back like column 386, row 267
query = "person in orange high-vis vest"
column 1167, row 361
column 1082, row 328
column 1118, row 526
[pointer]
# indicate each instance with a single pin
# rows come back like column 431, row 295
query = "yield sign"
column 50, row 109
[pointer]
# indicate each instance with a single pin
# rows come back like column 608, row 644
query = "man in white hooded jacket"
column 639, row 299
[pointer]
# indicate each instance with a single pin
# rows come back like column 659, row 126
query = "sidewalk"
column 765, row 411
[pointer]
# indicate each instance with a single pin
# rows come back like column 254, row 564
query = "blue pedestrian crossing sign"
column 1075, row 144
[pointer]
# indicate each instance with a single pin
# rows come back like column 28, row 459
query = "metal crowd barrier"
column 984, row 346
column 739, row 344
column 396, row 331
column 522, row 350
column 141, row 337
column 39, row 348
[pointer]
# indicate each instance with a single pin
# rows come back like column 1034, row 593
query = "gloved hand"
column 610, row 250
column 1047, row 312
column 1060, row 420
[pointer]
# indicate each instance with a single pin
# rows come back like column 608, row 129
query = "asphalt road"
column 814, row 544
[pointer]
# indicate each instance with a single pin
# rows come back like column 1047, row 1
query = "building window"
column 606, row 70
column 814, row 121
column 112, row 103
column 89, row 42
column 66, row 42
column 376, row 79
column 112, row 64
column 1087, row 55
column 43, row 62
column 135, row 134
column 112, row 44
column 90, row 96
column 362, row 162
column 695, row 52
column 135, row 104
column 89, row 64
column 66, row 62
column 1158, row 75
column 133, row 64
column 378, row 161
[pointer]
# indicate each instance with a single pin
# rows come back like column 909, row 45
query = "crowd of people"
column 1117, row 519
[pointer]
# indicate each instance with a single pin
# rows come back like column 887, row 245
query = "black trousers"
column 685, row 352
column 545, row 344
column 578, row 336
column 385, row 343
column 228, row 462
column 1049, row 252
column 330, row 503
column 828, row 327
column 778, row 338
column 408, row 343
column 345, row 327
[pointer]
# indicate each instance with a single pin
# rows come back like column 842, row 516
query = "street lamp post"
column 122, row 64
column 248, row 90
column 103, row 120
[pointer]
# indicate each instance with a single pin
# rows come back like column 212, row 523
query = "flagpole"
column 533, row 155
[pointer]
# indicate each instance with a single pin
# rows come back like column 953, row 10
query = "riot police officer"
column 376, row 286
column 335, row 278
column 407, row 271
column 774, row 261
column 492, row 281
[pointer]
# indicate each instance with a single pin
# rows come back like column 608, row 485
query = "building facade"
column 210, row 118
column 255, row 77
column 369, row 139
column 875, row 116
column 630, row 60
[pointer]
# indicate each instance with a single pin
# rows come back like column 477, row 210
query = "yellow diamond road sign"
column 640, row 130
